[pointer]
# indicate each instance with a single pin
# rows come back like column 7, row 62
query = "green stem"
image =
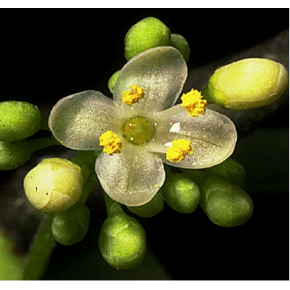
column 168, row 171
column 86, row 160
column 44, row 124
column 40, row 251
column 113, row 207
column 37, row 144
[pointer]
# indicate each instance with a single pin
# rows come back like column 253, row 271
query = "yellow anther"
column 179, row 149
column 111, row 142
column 193, row 103
column 131, row 97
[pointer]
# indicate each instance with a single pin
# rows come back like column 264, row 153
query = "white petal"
column 131, row 177
column 78, row 120
column 161, row 71
column 213, row 136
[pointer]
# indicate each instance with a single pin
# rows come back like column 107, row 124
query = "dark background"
column 48, row 54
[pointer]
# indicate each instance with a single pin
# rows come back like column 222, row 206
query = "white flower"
column 142, row 129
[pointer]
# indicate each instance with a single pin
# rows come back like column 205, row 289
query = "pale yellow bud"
column 54, row 185
column 247, row 84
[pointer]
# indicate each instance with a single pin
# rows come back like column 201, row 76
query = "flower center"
column 138, row 130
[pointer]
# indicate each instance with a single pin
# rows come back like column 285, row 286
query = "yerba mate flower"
column 139, row 129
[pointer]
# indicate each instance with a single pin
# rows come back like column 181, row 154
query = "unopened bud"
column 112, row 81
column 231, row 170
column 122, row 241
column 18, row 120
column 225, row 204
column 13, row 155
column 148, row 33
column 181, row 193
column 151, row 208
column 180, row 43
column 54, row 185
column 247, row 84
column 71, row 226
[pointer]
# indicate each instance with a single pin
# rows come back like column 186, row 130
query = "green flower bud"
column 70, row 226
column 247, row 84
column 196, row 175
column 122, row 241
column 231, row 170
column 54, row 185
column 18, row 120
column 225, row 204
column 180, row 43
column 13, row 155
column 112, row 81
column 181, row 193
column 148, row 33
column 151, row 208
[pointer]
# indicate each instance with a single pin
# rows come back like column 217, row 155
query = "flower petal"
column 78, row 120
column 212, row 135
column 131, row 177
column 161, row 71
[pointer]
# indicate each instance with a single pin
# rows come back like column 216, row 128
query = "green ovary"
column 138, row 130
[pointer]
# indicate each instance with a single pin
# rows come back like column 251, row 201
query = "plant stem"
column 37, row 144
column 86, row 160
column 44, row 124
column 168, row 171
column 40, row 251
column 113, row 207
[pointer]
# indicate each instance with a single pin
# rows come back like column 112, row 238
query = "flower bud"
column 181, row 193
column 180, row 43
column 70, row 226
column 13, row 155
column 54, row 185
column 148, row 33
column 151, row 208
column 112, row 81
column 18, row 120
column 122, row 241
column 196, row 175
column 231, row 170
column 225, row 204
column 247, row 84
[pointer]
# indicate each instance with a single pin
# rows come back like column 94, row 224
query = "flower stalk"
column 15, row 154
column 40, row 251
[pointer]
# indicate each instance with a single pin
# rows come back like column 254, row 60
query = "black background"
column 46, row 54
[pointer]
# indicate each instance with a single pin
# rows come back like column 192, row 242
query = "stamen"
column 193, row 103
column 111, row 142
column 179, row 149
column 131, row 97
